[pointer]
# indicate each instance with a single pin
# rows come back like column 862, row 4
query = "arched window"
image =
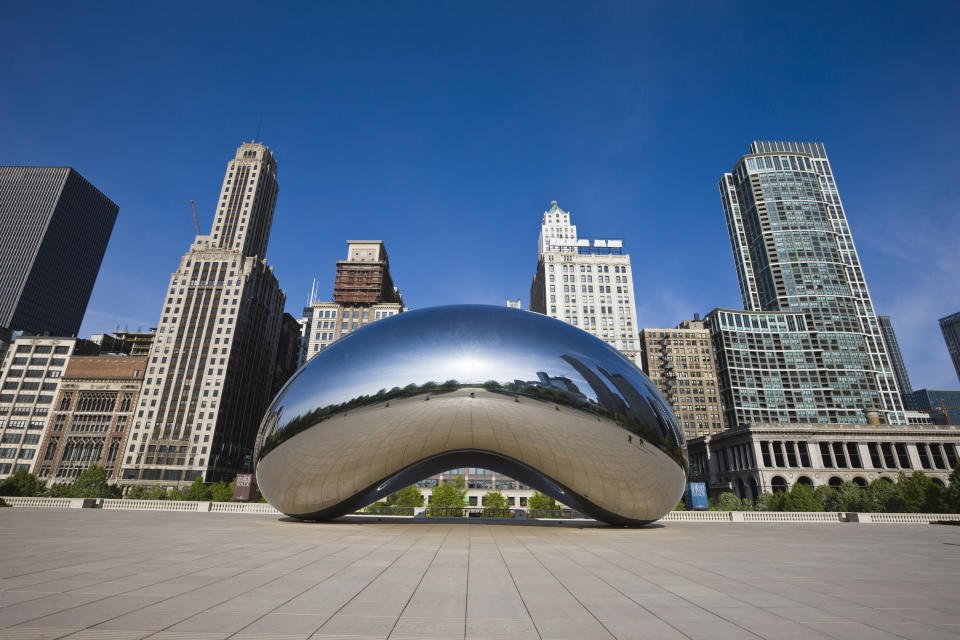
column 860, row 482
column 778, row 484
column 805, row 480
column 835, row 482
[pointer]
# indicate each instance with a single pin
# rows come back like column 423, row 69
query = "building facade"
column 205, row 389
column 942, row 405
column 363, row 292
column 896, row 359
column 586, row 283
column 794, row 252
column 762, row 458
column 54, row 229
column 91, row 417
column 777, row 367
column 680, row 363
column 30, row 378
column 950, row 326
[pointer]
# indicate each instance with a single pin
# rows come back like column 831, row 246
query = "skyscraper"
column 896, row 359
column 950, row 326
column 586, row 283
column 211, row 369
column 54, row 229
column 794, row 252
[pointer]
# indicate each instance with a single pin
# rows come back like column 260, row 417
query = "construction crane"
column 196, row 220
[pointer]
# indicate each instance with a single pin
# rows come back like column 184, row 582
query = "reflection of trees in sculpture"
column 643, row 423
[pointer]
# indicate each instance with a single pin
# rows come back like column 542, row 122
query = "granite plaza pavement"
column 112, row 575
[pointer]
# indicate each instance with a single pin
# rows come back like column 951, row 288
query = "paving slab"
column 114, row 575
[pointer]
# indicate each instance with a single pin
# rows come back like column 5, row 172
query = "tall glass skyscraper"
column 794, row 253
column 896, row 359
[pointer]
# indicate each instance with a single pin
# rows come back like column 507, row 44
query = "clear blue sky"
column 445, row 129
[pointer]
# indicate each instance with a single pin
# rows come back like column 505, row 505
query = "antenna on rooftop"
column 259, row 125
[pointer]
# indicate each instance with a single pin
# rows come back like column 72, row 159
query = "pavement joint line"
column 416, row 588
column 374, row 550
column 513, row 579
column 565, row 587
column 170, row 597
column 373, row 579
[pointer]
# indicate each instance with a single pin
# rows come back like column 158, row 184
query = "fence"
column 470, row 512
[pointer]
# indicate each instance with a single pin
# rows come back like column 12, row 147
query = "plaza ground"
column 114, row 575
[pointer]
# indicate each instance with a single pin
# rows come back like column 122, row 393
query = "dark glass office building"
column 950, row 326
column 943, row 405
column 54, row 229
column 896, row 359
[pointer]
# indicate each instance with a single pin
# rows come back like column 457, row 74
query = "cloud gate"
column 512, row 391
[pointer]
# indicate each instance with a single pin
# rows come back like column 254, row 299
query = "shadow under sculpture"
column 471, row 385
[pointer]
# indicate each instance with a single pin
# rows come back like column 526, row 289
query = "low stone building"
column 761, row 458
column 91, row 416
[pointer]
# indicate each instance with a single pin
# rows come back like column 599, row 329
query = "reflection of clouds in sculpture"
column 509, row 357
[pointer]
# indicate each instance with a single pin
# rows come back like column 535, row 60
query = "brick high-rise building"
column 211, row 371
column 586, row 283
column 91, row 416
column 54, row 229
column 680, row 363
column 363, row 292
column 794, row 254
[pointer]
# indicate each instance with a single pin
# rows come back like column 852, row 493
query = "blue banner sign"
column 696, row 496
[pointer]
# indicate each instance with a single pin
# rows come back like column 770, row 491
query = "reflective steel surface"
column 471, row 385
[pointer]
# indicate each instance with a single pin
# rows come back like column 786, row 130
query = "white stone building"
column 586, row 283
column 30, row 378
column 205, row 389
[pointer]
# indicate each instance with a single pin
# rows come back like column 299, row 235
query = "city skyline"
column 411, row 172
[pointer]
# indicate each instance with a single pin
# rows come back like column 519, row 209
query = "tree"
column 541, row 502
column 22, row 484
column 727, row 501
column 852, row 497
column 60, row 490
column 198, row 491
column 772, row 501
column 92, row 483
column 495, row 500
column 884, row 497
column 448, row 495
column 802, row 498
column 919, row 493
column 222, row 491
column 176, row 494
column 406, row 497
column 827, row 496
column 951, row 495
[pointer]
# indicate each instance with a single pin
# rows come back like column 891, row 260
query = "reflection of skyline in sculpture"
column 605, row 397
column 518, row 393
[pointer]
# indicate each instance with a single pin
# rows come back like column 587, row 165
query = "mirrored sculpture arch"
column 471, row 385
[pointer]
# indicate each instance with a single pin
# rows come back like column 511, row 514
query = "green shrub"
column 93, row 483
column 541, row 502
column 884, row 497
column 772, row 501
column 198, row 491
column 406, row 497
column 728, row 502
column 60, row 490
column 222, row 491
column 22, row 484
column 448, row 495
column 802, row 498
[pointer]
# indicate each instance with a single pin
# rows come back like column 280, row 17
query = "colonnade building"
column 770, row 457
column 586, row 283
